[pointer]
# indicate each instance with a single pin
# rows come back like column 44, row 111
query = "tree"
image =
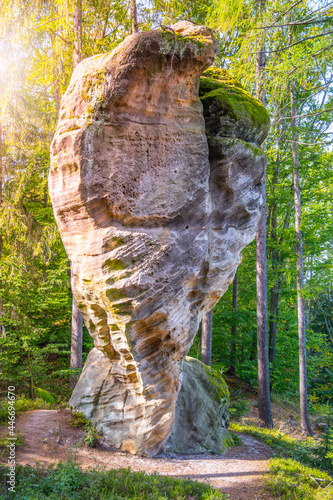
column 303, row 380
column 264, row 406
column 134, row 17
column 77, row 321
column 232, row 366
column 206, row 338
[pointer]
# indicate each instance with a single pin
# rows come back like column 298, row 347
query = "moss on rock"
column 231, row 108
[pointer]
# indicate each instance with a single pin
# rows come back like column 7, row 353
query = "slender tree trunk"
column 232, row 368
column 2, row 328
column 76, row 341
column 134, row 17
column 305, row 422
column 274, row 298
column 77, row 31
column 1, row 176
column 77, row 322
column 265, row 412
column 206, row 338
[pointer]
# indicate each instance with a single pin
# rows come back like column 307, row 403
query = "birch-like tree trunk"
column 134, row 17
column 264, row 398
column 77, row 322
column 77, row 31
column 232, row 368
column 303, row 386
column 206, row 338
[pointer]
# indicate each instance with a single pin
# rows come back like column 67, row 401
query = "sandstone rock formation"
column 201, row 415
column 153, row 215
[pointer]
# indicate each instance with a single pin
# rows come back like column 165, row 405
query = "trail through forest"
column 50, row 437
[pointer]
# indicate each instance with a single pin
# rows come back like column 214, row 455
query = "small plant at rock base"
column 79, row 420
column 92, row 436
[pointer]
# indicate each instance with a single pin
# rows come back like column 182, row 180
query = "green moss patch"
column 238, row 112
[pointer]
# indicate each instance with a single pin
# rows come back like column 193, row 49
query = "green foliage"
column 237, row 441
column 22, row 404
column 79, row 420
column 68, row 481
column 6, row 439
column 305, row 452
column 238, row 406
column 92, row 436
column 44, row 395
column 289, row 479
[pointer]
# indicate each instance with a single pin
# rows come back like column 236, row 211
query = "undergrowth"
column 6, row 439
column 67, row 481
column 306, row 452
column 22, row 404
column 289, row 480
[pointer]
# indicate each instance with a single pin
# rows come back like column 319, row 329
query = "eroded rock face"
column 201, row 416
column 153, row 214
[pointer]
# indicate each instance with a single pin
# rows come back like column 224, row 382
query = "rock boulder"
column 154, row 208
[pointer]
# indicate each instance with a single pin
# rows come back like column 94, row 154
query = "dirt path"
column 49, row 437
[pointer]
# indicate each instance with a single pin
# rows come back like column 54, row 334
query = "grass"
column 67, row 481
column 22, row 404
column 306, row 452
column 290, row 480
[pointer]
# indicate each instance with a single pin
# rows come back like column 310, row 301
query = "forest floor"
column 50, row 436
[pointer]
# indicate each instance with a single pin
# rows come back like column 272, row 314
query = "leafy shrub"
column 45, row 395
column 92, row 436
column 67, row 481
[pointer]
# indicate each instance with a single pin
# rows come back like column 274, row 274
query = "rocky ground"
column 49, row 436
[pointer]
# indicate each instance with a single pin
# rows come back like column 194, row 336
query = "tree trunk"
column 274, row 299
column 305, row 422
column 232, row 368
column 77, row 32
column 77, row 322
column 206, row 338
column 264, row 398
column 76, row 342
column 1, row 176
column 134, row 17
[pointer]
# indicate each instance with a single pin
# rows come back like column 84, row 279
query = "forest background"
column 36, row 62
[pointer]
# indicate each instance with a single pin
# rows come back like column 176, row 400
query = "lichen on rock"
column 155, row 193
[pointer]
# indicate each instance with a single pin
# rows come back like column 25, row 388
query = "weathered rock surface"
column 153, row 214
column 201, row 416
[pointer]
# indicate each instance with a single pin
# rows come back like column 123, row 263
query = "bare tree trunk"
column 2, row 328
column 1, row 176
column 232, row 368
column 77, row 322
column 265, row 412
column 134, row 17
column 77, row 32
column 305, row 422
column 76, row 342
column 206, row 338
column 274, row 299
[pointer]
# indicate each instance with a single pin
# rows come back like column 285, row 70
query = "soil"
column 49, row 436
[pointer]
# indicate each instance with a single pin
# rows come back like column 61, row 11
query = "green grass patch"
column 307, row 451
column 67, row 481
column 289, row 479
column 23, row 404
